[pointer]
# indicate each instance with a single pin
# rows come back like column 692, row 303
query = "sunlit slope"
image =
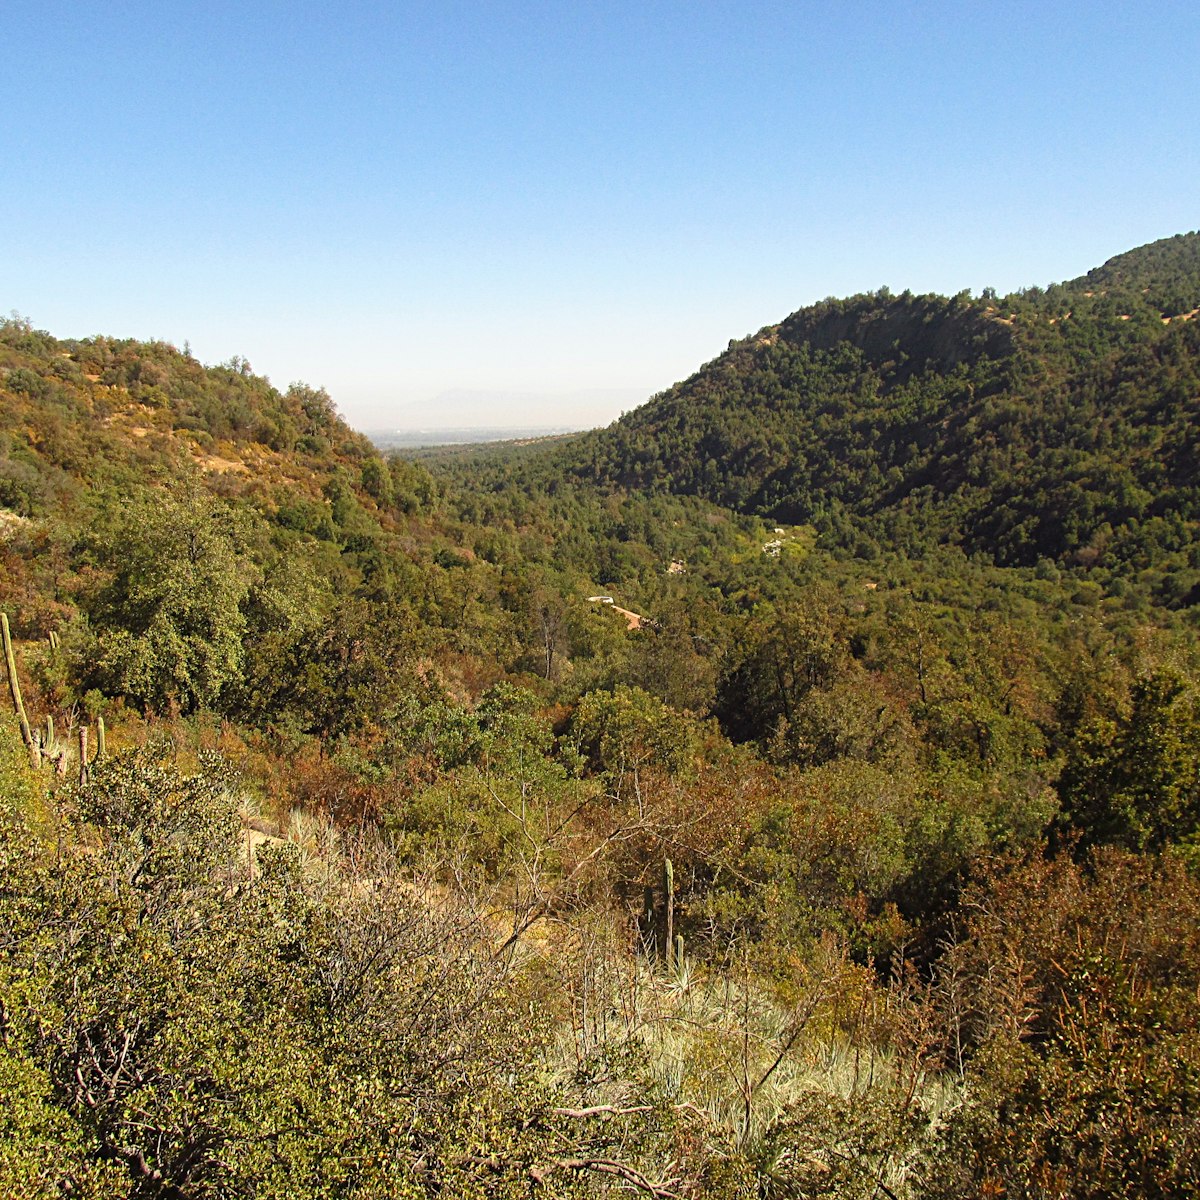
column 1057, row 423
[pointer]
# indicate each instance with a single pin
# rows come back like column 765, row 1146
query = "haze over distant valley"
column 467, row 415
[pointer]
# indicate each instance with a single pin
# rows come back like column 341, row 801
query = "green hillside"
column 1057, row 424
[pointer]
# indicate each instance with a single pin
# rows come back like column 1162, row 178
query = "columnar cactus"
column 668, row 910
column 649, row 920
column 14, row 687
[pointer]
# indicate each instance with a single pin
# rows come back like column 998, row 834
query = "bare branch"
column 602, row 1110
column 662, row 1190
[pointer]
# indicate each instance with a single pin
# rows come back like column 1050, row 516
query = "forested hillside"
column 1057, row 424
column 791, row 790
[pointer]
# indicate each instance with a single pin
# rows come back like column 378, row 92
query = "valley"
column 790, row 789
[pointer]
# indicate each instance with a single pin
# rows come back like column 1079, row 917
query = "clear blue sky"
column 403, row 200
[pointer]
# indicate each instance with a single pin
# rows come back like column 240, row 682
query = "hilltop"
column 101, row 411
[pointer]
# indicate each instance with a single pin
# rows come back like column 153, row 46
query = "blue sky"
column 544, row 213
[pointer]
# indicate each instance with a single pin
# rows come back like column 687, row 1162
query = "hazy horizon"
column 463, row 408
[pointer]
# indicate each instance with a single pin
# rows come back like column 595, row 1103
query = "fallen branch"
column 607, row 1166
column 602, row 1110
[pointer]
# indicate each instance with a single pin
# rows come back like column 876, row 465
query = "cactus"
column 657, row 925
column 14, row 687
column 668, row 942
column 49, row 742
column 83, row 762
column 101, row 745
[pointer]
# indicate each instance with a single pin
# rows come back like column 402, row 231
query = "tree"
column 167, row 617
column 1136, row 782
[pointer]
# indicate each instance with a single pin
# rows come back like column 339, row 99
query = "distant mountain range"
column 513, row 413
column 412, row 439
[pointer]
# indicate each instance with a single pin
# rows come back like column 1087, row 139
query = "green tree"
column 167, row 617
column 1136, row 782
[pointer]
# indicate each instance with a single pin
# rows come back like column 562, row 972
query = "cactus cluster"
column 43, row 745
